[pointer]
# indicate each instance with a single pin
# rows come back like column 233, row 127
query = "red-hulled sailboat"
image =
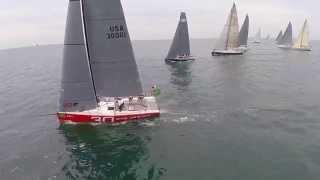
column 100, row 80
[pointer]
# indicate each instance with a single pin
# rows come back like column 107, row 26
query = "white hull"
column 217, row 52
column 302, row 49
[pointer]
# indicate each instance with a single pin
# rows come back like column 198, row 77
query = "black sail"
column 287, row 36
column 243, row 35
column 111, row 56
column 77, row 90
column 279, row 36
column 181, row 43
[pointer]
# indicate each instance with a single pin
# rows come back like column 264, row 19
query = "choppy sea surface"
column 250, row 117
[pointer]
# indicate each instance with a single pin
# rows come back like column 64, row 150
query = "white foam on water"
column 148, row 124
column 184, row 119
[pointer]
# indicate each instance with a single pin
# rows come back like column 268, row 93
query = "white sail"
column 303, row 39
column 257, row 38
column 229, row 38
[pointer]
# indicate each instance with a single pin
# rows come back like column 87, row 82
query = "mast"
column 86, row 46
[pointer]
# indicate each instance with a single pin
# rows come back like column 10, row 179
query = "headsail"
column 77, row 90
column 303, row 38
column 181, row 43
column 279, row 36
column 243, row 35
column 287, row 36
column 229, row 38
column 111, row 56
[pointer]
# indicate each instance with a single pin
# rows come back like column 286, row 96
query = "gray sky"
column 25, row 23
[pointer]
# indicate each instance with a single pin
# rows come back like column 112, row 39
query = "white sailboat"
column 303, row 43
column 100, row 80
column 257, row 38
column 228, row 43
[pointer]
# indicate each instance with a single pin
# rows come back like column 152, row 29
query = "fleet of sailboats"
column 180, row 47
column 228, row 43
column 100, row 79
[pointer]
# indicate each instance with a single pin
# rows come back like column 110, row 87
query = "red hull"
column 87, row 119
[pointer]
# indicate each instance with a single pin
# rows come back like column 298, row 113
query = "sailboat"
column 100, row 80
column 279, row 36
column 286, row 41
column 268, row 37
column 228, row 43
column 243, row 35
column 180, row 47
column 302, row 43
column 257, row 38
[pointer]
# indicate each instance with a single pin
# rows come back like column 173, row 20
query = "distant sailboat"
column 279, row 37
column 302, row 43
column 228, row 43
column 268, row 37
column 100, row 80
column 180, row 47
column 286, row 41
column 257, row 38
column 243, row 35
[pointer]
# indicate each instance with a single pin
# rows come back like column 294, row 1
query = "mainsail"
column 279, row 36
column 181, row 43
column 287, row 36
column 243, row 35
column 111, row 56
column 303, row 38
column 77, row 90
column 229, row 38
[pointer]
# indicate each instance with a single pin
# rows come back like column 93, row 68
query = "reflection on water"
column 181, row 74
column 104, row 152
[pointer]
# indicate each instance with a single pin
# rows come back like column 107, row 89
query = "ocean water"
column 250, row 117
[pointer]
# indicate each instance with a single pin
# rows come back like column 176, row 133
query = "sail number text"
column 116, row 32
